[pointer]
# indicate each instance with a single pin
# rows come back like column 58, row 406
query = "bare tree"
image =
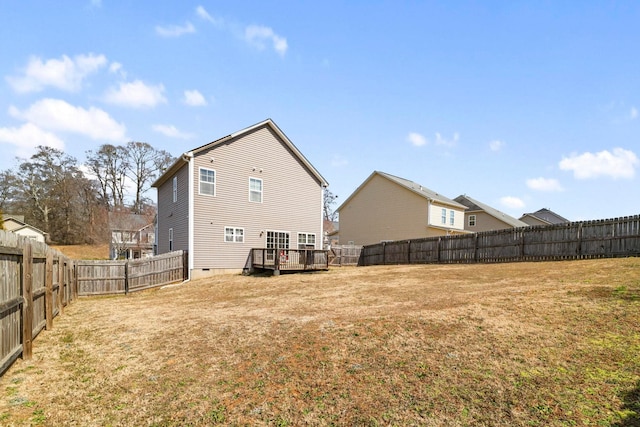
column 328, row 201
column 8, row 189
column 109, row 165
column 143, row 166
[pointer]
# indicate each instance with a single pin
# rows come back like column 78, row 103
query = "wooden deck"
column 289, row 260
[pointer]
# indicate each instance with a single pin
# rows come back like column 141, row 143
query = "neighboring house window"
column 306, row 240
column 444, row 216
column 207, row 182
column 472, row 220
column 255, row 190
column 170, row 239
column 175, row 189
column 233, row 234
column 452, row 217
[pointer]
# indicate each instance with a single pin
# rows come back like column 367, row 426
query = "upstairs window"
column 175, row 189
column 452, row 217
column 444, row 216
column 472, row 220
column 207, row 182
column 255, row 190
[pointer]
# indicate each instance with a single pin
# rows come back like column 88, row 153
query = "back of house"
column 250, row 189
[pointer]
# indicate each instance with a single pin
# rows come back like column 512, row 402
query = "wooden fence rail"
column 575, row 240
column 37, row 282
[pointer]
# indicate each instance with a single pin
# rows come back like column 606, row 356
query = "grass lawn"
column 524, row 344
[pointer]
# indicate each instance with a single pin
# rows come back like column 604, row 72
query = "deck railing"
column 290, row 259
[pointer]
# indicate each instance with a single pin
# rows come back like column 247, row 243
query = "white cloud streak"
column 136, row 94
column 58, row 115
column 194, row 98
column 496, row 145
column 202, row 13
column 27, row 137
column 620, row 163
column 65, row 73
column 512, row 202
column 544, row 184
column 172, row 132
column 259, row 36
column 175, row 30
column 416, row 139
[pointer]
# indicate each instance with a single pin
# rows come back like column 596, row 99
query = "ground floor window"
column 234, row 234
column 277, row 239
column 306, row 240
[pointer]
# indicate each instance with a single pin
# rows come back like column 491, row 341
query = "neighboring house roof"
column 547, row 216
column 477, row 206
column 409, row 185
column 127, row 221
column 20, row 225
column 19, row 218
column 183, row 159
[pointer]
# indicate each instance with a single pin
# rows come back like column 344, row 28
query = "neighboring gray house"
column 16, row 224
column 250, row 189
column 482, row 217
column 387, row 207
column 543, row 216
column 132, row 236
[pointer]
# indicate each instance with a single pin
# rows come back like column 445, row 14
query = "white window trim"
column 475, row 220
column 235, row 235
column 200, row 182
column 452, row 217
column 175, row 189
column 261, row 189
column 306, row 242
column 443, row 217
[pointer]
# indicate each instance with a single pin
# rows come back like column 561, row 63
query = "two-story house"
column 132, row 236
column 250, row 189
column 386, row 207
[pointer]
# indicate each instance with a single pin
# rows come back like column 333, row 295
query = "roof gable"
column 183, row 159
column 415, row 188
column 475, row 205
column 547, row 215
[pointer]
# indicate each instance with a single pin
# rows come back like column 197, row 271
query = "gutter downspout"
column 187, row 157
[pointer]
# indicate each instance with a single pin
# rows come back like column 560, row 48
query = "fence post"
column 48, row 295
column 27, row 306
column 60, row 284
column 126, row 277
column 438, row 250
column 384, row 253
column 409, row 252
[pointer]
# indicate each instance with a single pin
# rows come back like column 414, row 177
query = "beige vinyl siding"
column 291, row 198
column 383, row 210
column 435, row 216
column 484, row 222
column 174, row 215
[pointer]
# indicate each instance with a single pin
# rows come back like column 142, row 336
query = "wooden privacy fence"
column 575, row 240
column 36, row 283
column 343, row 255
column 122, row 277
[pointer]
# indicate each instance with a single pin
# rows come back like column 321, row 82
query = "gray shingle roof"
column 475, row 205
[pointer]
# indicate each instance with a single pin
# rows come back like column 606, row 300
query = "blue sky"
column 521, row 105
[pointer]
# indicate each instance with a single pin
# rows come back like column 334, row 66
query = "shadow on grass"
column 631, row 407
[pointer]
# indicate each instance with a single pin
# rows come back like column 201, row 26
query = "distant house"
column 543, row 217
column 250, row 189
column 132, row 236
column 16, row 224
column 331, row 231
column 482, row 217
column 386, row 207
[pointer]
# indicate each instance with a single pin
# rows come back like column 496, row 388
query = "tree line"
column 70, row 201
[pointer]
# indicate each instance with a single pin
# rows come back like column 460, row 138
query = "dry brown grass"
column 84, row 251
column 505, row 344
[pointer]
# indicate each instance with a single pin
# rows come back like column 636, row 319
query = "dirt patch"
column 503, row 344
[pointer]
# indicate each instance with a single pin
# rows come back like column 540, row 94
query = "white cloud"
column 447, row 142
column 416, row 139
column 64, row 73
column 27, row 137
column 194, row 98
column 202, row 13
column 619, row 164
column 544, row 184
column 136, row 94
column 58, row 115
column 496, row 145
column 172, row 132
column 175, row 30
column 512, row 202
column 258, row 35
column 633, row 113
